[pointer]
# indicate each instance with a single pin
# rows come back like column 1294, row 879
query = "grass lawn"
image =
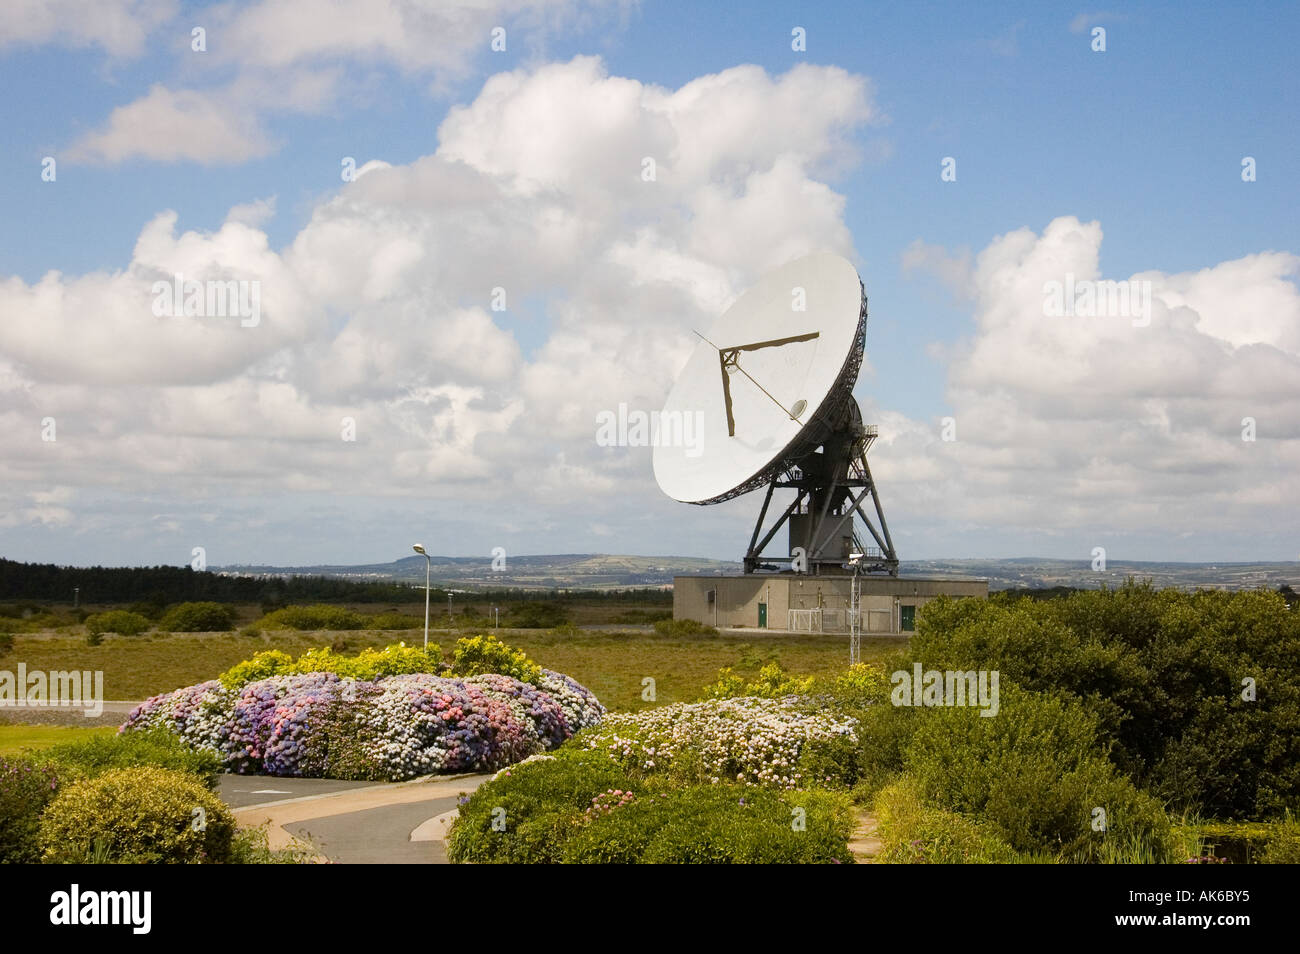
column 15, row 738
column 612, row 665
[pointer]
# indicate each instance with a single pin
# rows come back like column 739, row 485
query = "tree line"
column 164, row 585
column 175, row 584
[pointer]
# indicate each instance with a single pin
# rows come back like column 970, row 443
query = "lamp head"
column 418, row 548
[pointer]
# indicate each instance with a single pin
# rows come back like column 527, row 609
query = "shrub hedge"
column 159, row 748
column 122, row 622
column 1038, row 775
column 142, row 814
column 321, row 616
column 477, row 655
column 27, row 786
column 198, row 618
column 1200, row 692
column 912, row 832
column 577, row 807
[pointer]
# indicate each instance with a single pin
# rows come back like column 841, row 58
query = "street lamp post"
column 428, row 566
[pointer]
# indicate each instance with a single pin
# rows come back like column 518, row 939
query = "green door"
column 762, row 615
column 907, row 618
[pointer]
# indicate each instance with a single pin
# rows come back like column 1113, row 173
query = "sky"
column 453, row 262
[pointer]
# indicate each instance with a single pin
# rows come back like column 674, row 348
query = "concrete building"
column 812, row 604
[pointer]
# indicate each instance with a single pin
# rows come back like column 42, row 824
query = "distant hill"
column 544, row 572
column 613, row 571
column 1037, row 572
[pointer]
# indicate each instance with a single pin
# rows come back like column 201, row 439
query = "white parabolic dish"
column 811, row 370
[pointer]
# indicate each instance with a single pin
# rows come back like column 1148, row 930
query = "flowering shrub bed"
column 578, row 806
column 391, row 727
column 579, row 704
column 750, row 740
column 532, row 703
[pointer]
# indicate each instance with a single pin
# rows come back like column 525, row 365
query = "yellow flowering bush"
column 137, row 815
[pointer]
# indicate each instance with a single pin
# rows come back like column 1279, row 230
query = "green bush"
column 1163, row 670
column 397, row 660
column 26, row 788
column 263, row 665
column 570, row 807
column 538, row 800
column 728, row 685
column 715, row 824
column 122, row 622
column 859, row 686
column 832, row 763
column 198, row 618
column 159, row 748
column 912, row 832
column 476, row 655
column 137, row 815
column 535, row 615
column 368, row 664
column 318, row 617
column 1283, row 846
column 683, row 627
column 152, row 610
column 1037, row 774
column 772, row 682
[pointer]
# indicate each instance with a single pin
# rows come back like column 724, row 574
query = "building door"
column 762, row 615
column 907, row 618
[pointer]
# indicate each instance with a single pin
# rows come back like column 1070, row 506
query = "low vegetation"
column 198, row 618
column 143, row 814
column 1128, row 722
column 1131, row 726
column 121, row 622
column 136, row 798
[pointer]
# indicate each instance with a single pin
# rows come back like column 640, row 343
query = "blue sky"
column 1146, row 139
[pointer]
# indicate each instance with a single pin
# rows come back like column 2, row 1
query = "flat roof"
column 864, row 577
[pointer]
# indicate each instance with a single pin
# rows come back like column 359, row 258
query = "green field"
column 613, row 665
column 15, row 738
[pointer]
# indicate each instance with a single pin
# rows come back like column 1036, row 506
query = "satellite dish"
column 755, row 373
column 770, row 385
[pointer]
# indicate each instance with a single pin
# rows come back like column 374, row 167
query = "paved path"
column 352, row 822
column 242, row 791
column 865, row 843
